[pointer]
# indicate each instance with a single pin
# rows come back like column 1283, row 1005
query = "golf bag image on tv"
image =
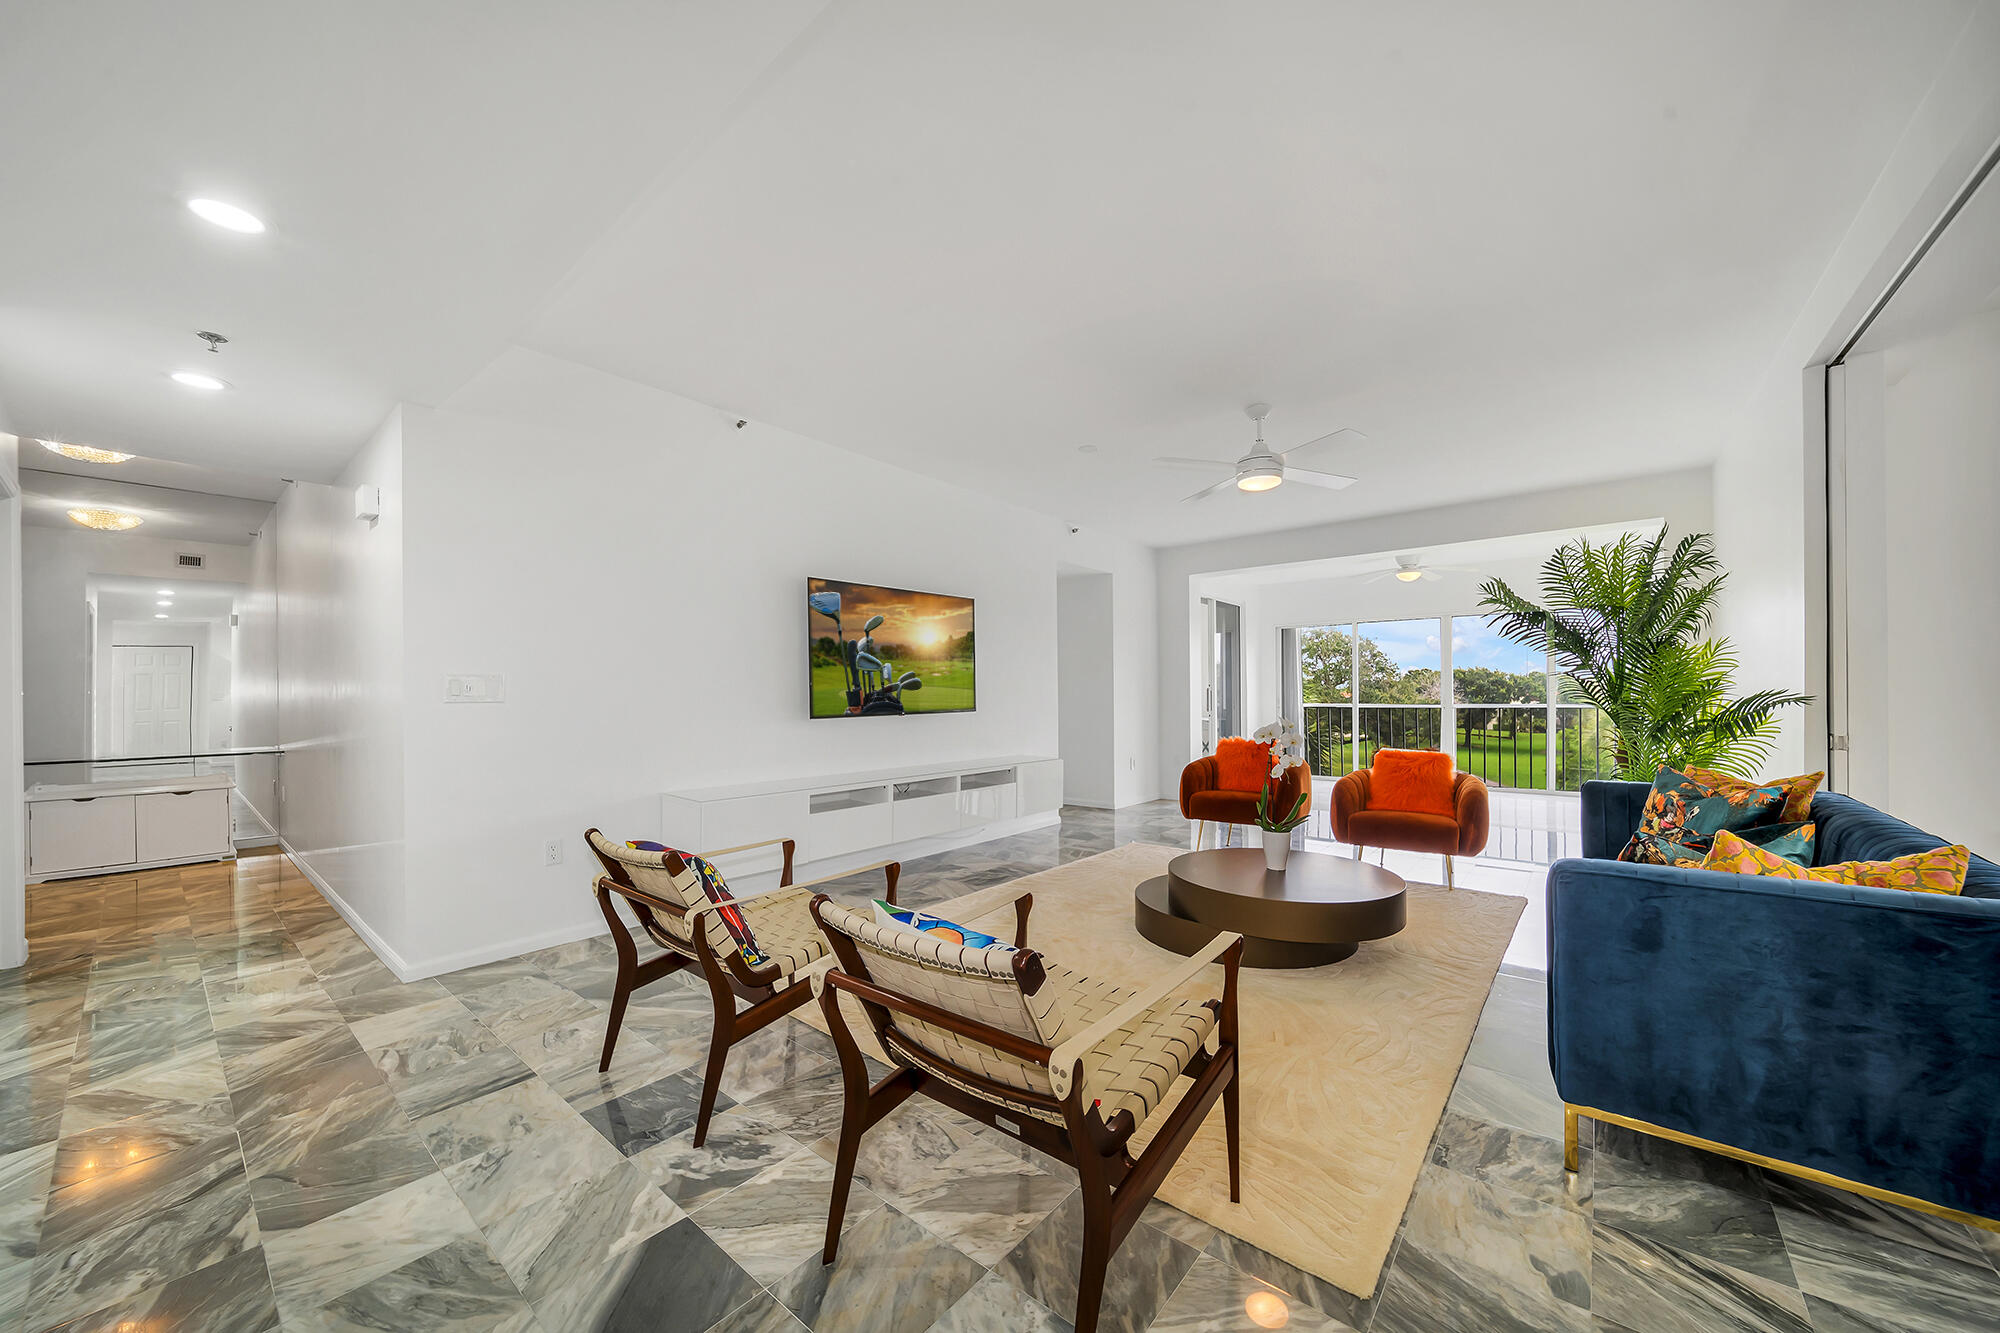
column 882, row 652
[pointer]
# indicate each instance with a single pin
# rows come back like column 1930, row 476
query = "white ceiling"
column 1957, row 278
column 1464, row 562
column 139, row 599
column 1514, row 244
column 197, row 516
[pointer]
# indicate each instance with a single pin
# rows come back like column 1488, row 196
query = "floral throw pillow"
column 1683, row 816
column 1941, row 870
column 1791, row 843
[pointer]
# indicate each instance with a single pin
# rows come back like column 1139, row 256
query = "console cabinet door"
column 174, row 826
column 80, row 834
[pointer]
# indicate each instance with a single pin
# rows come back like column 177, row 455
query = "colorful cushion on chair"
column 888, row 914
column 1241, row 765
column 1415, row 781
column 716, row 891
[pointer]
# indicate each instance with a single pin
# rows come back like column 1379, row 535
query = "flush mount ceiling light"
column 85, row 453
column 163, row 592
column 226, row 215
column 106, row 520
column 194, row 379
column 168, row 602
column 160, row 615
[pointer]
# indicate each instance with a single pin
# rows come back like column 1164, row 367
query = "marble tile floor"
column 218, row 1111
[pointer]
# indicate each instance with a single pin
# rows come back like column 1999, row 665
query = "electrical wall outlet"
column 552, row 852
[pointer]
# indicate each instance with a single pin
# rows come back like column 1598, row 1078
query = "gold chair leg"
column 1569, row 1140
column 1200, row 833
column 1448, row 885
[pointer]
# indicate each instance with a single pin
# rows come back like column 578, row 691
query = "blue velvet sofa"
column 1836, row 1032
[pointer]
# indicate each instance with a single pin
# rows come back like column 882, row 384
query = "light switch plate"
column 475, row 689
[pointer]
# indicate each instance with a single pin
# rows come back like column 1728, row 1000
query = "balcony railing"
column 1504, row 745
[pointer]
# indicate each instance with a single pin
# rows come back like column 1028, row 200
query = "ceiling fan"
column 1411, row 569
column 1262, row 469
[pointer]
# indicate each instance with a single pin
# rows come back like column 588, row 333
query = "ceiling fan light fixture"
column 1260, row 481
column 85, row 453
column 1408, row 575
column 106, row 520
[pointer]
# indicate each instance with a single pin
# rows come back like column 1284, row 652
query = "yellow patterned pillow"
column 1939, row 871
column 1798, row 791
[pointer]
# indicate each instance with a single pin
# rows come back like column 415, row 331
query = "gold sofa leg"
column 1569, row 1139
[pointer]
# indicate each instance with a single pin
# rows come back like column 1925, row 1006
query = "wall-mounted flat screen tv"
column 884, row 652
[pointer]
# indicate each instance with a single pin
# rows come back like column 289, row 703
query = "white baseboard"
column 593, row 925
column 494, row 953
column 131, row 867
column 390, row 958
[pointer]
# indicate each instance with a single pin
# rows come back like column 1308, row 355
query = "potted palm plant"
column 1288, row 749
column 1626, row 622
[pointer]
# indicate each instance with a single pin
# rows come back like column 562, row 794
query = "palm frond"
column 1624, row 621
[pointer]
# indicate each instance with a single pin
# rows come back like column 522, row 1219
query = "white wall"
column 57, row 564
column 255, row 689
column 1770, row 524
column 330, row 591
column 1682, row 499
column 1085, row 690
column 634, row 566
column 13, row 851
column 1924, row 716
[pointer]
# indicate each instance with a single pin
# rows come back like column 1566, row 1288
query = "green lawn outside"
column 1501, row 760
column 948, row 687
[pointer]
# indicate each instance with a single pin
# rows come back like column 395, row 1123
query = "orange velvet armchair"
column 1205, row 802
column 1461, row 833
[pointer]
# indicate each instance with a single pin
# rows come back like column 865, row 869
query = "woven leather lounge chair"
column 1066, row 1063
column 666, row 896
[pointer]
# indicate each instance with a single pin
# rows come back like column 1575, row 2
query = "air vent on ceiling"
column 186, row 561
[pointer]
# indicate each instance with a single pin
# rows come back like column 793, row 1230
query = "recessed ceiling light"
column 160, row 615
column 85, row 453
column 194, row 379
column 163, row 603
column 163, row 592
column 226, row 215
column 105, row 520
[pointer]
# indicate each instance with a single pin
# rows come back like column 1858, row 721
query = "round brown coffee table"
column 1313, row 912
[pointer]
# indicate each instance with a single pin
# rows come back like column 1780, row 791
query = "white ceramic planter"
column 1277, row 848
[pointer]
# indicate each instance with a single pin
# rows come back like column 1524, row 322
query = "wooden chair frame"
column 728, row 977
column 1116, row 1187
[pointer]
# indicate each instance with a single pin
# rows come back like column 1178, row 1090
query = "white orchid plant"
column 1288, row 750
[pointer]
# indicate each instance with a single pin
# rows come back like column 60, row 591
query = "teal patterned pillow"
column 1683, row 816
column 1794, row 842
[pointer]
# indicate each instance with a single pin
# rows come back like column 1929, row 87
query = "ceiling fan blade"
column 1345, row 435
column 1207, row 491
column 1331, row 481
column 1195, row 464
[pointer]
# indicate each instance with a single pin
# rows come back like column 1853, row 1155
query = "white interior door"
column 153, row 692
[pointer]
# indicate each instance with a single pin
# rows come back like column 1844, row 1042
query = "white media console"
column 857, row 817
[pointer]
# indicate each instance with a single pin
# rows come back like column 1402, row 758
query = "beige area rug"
column 1346, row 1068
